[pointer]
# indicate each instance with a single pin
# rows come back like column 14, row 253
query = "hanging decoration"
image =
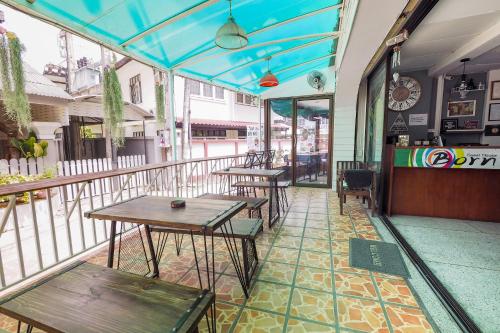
column 14, row 95
column 269, row 79
column 396, row 62
column 113, row 106
column 231, row 36
column 160, row 102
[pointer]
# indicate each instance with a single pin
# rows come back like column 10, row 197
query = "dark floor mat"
column 377, row 256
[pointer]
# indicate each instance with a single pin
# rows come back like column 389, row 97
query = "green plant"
column 86, row 132
column 160, row 103
column 16, row 179
column 113, row 106
column 14, row 95
column 31, row 147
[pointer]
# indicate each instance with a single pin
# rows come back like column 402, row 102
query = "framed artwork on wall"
column 449, row 124
column 462, row 108
column 494, row 114
column 495, row 90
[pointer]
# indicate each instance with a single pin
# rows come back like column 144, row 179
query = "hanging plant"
column 113, row 106
column 160, row 102
column 14, row 96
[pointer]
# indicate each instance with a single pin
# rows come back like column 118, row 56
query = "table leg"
column 111, row 249
column 273, row 196
column 154, row 259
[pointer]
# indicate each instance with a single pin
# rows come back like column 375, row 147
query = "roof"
column 300, row 35
column 227, row 123
column 91, row 106
column 39, row 85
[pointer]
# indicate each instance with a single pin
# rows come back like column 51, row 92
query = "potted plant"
column 31, row 147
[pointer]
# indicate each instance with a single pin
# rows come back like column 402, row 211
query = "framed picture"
column 462, row 108
column 471, row 124
column 495, row 90
column 494, row 114
column 449, row 124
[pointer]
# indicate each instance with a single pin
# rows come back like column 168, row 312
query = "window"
column 219, row 92
column 208, row 90
column 246, row 99
column 194, row 87
column 135, row 89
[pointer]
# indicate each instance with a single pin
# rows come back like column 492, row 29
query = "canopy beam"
column 292, row 67
column 266, row 28
column 191, row 61
column 274, row 55
column 168, row 21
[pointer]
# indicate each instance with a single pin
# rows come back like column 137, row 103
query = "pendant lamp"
column 231, row 36
column 269, row 80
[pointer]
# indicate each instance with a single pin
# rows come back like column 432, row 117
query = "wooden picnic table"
column 272, row 177
column 86, row 298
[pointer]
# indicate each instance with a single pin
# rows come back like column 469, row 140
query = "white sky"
column 41, row 40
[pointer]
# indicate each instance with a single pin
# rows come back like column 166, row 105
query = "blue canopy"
column 300, row 35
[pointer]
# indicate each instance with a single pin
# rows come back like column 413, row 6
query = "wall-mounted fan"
column 317, row 80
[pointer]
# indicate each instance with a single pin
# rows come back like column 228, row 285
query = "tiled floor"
column 304, row 282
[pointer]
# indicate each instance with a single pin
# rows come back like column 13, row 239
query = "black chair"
column 360, row 183
column 346, row 165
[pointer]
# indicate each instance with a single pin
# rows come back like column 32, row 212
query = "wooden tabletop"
column 270, row 173
column 198, row 215
column 86, row 298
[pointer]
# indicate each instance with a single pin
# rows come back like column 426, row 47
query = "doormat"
column 377, row 256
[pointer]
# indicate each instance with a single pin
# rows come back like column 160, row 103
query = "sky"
column 41, row 40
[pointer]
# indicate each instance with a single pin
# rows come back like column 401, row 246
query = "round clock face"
column 404, row 94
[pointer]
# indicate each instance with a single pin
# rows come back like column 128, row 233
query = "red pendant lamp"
column 269, row 79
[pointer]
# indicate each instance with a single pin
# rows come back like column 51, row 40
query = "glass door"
column 312, row 129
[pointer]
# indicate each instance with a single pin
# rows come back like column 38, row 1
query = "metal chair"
column 360, row 183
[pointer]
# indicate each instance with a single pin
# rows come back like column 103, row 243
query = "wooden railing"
column 39, row 229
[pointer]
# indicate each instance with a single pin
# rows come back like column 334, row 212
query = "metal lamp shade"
column 269, row 80
column 231, row 36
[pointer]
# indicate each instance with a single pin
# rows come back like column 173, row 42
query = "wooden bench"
column 244, row 229
column 282, row 186
column 253, row 204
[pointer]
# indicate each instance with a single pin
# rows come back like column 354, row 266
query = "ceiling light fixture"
column 231, row 36
column 269, row 79
column 465, row 85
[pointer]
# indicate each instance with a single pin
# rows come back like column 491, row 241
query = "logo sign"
column 399, row 125
column 457, row 158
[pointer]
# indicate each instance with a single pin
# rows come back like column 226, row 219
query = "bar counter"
column 447, row 182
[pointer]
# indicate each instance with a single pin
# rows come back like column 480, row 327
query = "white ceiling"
column 455, row 29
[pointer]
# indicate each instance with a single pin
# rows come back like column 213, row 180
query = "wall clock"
column 404, row 94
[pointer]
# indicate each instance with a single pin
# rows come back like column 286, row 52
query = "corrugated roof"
column 228, row 123
column 39, row 85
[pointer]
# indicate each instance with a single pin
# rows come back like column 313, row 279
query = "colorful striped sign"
column 441, row 157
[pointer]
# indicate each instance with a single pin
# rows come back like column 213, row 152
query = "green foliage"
column 160, row 103
column 31, row 147
column 113, row 106
column 14, row 95
column 86, row 132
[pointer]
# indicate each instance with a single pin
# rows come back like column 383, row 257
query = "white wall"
column 491, row 140
column 131, row 69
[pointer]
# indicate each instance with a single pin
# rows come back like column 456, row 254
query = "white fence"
column 23, row 166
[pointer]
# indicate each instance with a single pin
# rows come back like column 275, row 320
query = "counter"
column 447, row 182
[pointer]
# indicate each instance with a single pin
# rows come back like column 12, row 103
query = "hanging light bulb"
column 231, row 36
column 269, row 80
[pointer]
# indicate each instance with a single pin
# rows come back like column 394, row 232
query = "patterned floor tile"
column 314, row 278
column 341, row 263
column 316, row 233
column 291, row 231
column 283, row 255
column 395, row 291
column 288, row 241
column 321, row 245
column 355, row 285
column 269, row 296
column 315, row 259
column 276, row 272
column 317, row 224
column 340, row 246
column 226, row 315
column 313, row 305
column 191, row 279
column 342, row 235
column 407, row 320
column 228, row 288
column 311, row 216
column 372, row 236
column 299, row 326
column 253, row 321
column 361, row 315
column 294, row 222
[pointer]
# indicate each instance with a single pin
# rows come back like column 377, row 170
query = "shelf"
column 464, row 130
